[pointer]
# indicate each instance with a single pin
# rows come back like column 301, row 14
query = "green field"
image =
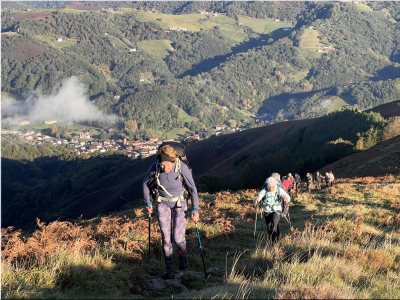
column 339, row 103
column 176, row 133
column 263, row 26
column 189, row 21
column 158, row 48
column 364, row 7
column 9, row 33
column 310, row 54
column 310, row 40
column 117, row 42
column 299, row 75
column 52, row 41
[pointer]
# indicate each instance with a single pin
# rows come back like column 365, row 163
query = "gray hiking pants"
column 166, row 211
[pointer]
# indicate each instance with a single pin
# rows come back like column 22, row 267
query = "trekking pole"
column 255, row 226
column 149, row 232
column 201, row 250
column 261, row 218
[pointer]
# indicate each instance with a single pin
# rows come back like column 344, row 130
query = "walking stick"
column 149, row 232
column 201, row 250
column 261, row 218
column 255, row 225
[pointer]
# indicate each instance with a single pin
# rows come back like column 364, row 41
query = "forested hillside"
column 292, row 60
column 242, row 58
column 51, row 183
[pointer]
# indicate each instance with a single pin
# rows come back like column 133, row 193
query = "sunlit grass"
column 344, row 243
column 158, row 48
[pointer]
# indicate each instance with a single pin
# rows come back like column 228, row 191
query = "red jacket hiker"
column 286, row 183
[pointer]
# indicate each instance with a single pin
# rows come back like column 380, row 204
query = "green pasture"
column 337, row 104
column 52, row 41
column 185, row 117
column 263, row 26
column 176, row 133
column 117, row 42
column 310, row 54
column 298, row 76
column 364, row 7
column 190, row 21
column 310, row 40
column 9, row 33
column 158, row 48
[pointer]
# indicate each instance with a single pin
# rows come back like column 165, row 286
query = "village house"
column 152, row 146
column 60, row 39
column 19, row 122
column 111, row 130
column 58, row 142
column 153, row 140
column 215, row 14
column 116, row 97
column 92, row 148
column 132, row 50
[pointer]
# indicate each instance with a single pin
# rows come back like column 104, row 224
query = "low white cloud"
column 70, row 104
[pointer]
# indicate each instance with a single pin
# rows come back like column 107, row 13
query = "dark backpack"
column 181, row 150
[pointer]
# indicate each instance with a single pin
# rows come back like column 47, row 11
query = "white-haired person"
column 272, row 197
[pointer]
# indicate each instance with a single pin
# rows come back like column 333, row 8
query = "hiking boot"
column 183, row 262
column 169, row 271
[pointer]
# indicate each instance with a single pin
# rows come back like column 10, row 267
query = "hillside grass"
column 176, row 133
column 310, row 40
column 117, row 42
column 52, row 41
column 263, row 26
column 337, row 104
column 364, row 7
column 310, row 54
column 157, row 48
column 344, row 243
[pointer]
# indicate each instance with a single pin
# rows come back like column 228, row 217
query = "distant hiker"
column 309, row 180
column 327, row 179
column 170, row 178
column 272, row 197
column 287, row 183
column 331, row 178
column 297, row 181
column 318, row 178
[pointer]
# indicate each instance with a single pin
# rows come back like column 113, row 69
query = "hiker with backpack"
column 309, row 180
column 318, row 179
column 170, row 183
column 272, row 198
column 288, row 185
column 297, row 181
column 331, row 178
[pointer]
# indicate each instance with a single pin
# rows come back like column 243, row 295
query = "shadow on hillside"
column 210, row 63
column 388, row 72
